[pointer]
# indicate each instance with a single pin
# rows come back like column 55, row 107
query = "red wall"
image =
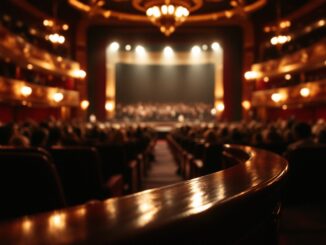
column 9, row 113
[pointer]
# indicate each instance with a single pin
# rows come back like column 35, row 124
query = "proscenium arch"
column 214, row 57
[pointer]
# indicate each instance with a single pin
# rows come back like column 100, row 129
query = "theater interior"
column 163, row 121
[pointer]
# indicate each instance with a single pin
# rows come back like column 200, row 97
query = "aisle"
column 164, row 168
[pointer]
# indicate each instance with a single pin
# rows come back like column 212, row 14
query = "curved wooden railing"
column 239, row 204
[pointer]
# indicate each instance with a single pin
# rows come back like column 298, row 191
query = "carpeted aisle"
column 164, row 169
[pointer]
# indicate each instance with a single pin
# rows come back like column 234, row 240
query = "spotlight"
column 57, row 97
column 140, row 50
column 195, row 50
column 26, row 91
column 287, row 76
column 168, row 52
column 276, row 97
column 114, row 46
column 216, row 46
column 128, row 47
column 246, row 104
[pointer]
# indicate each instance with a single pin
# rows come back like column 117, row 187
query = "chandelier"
column 167, row 14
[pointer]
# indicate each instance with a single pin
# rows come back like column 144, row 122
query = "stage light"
column 140, row 50
column 30, row 67
column 213, row 112
column 168, row 52
column 216, row 46
column 128, row 47
column 114, row 46
column 284, row 107
column 204, row 47
column 195, row 50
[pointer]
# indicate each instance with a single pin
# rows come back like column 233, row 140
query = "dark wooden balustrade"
column 240, row 204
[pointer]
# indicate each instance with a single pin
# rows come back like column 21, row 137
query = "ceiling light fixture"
column 167, row 14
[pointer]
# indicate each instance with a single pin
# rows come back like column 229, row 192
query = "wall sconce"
column 276, row 97
column 304, row 92
column 26, row 91
column 57, row 97
column 246, row 104
column 84, row 104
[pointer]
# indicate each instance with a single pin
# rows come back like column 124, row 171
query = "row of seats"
column 198, row 158
column 307, row 166
column 35, row 180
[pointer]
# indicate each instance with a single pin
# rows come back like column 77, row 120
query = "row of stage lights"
column 139, row 49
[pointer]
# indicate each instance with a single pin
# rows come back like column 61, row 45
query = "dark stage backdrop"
column 164, row 83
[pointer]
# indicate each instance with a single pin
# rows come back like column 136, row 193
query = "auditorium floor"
column 163, row 169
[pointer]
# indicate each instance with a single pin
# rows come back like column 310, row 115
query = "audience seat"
column 29, row 183
column 80, row 170
column 306, row 179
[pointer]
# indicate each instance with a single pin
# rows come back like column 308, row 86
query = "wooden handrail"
column 228, row 205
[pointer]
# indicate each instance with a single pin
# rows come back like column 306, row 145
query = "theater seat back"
column 28, row 184
column 306, row 179
column 80, row 171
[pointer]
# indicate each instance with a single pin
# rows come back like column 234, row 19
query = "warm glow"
column 284, row 107
column 246, row 104
column 250, row 75
column 92, row 118
column 281, row 39
column 26, row 91
column 195, row 50
column 65, row 27
column 287, row 76
column 204, row 47
column 27, row 225
column 114, row 46
column 84, row 104
column 213, row 112
column 48, row 23
column 79, row 73
column 140, row 50
column 57, row 38
column 216, row 46
column 168, row 52
column 285, row 24
column 30, row 67
column 304, row 92
column 57, row 221
column 57, row 97
column 321, row 23
column 266, row 79
column 128, row 47
column 220, row 107
column 109, row 106
column 167, row 17
column 276, row 97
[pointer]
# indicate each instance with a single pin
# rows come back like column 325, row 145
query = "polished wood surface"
column 234, row 199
